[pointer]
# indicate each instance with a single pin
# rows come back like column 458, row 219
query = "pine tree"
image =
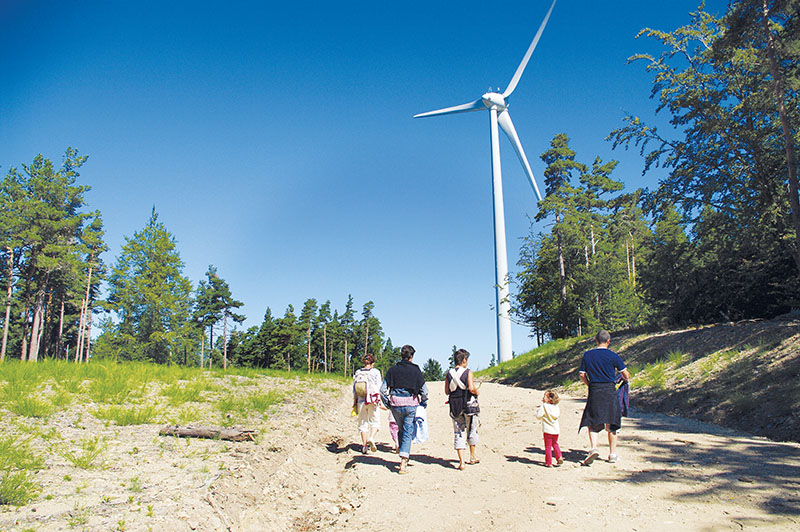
column 150, row 295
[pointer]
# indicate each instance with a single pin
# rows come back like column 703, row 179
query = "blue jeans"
column 404, row 417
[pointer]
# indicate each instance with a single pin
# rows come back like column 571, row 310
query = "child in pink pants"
column 548, row 412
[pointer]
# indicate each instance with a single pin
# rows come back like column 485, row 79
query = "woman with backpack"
column 459, row 386
column 366, row 398
column 403, row 390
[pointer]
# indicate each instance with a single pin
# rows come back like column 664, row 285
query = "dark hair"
column 406, row 352
column 603, row 337
column 460, row 356
column 368, row 359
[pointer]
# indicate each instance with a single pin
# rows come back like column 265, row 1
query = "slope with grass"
column 742, row 375
column 80, row 447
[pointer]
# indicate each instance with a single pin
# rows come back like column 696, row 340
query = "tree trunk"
column 366, row 337
column 213, row 433
column 88, row 335
column 84, row 308
column 60, row 343
column 325, row 345
column 628, row 259
column 10, row 284
column 788, row 139
column 308, row 355
column 561, row 264
column 202, row 344
column 33, row 348
column 47, row 319
column 210, row 343
column 225, row 342
column 345, row 357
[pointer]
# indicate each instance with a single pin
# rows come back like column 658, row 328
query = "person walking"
column 366, row 398
column 459, row 386
column 598, row 371
column 548, row 412
column 403, row 390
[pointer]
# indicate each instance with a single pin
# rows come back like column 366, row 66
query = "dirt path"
column 673, row 474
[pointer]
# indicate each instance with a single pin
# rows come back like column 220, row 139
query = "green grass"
column 188, row 392
column 262, row 401
column 18, row 466
column 31, row 406
column 87, row 454
column 129, row 415
column 535, row 362
column 676, row 358
column 653, row 375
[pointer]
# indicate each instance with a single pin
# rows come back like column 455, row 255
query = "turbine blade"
column 521, row 68
column 464, row 108
column 504, row 119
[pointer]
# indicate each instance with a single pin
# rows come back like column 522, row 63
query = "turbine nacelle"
column 494, row 100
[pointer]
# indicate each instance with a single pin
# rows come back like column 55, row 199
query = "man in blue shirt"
column 598, row 371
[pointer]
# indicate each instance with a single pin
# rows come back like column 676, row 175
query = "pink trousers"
column 551, row 444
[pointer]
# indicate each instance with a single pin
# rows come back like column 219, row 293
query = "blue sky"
column 276, row 142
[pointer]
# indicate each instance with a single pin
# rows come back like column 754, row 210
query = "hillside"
column 742, row 375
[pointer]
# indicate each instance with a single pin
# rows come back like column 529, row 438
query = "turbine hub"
column 494, row 100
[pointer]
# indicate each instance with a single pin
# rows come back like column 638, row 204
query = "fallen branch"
column 208, row 432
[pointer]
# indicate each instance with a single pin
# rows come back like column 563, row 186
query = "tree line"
column 54, row 276
column 719, row 238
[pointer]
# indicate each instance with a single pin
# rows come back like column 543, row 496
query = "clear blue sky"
column 276, row 142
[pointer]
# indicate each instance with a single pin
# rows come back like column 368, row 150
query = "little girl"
column 548, row 412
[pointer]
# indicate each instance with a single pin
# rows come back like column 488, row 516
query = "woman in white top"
column 366, row 398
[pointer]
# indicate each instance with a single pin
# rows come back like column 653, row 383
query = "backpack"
column 360, row 383
column 458, row 392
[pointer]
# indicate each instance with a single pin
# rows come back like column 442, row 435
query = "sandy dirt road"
column 673, row 474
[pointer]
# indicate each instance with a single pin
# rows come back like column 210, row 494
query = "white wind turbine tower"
column 497, row 104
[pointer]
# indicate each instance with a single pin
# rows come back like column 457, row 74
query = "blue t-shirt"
column 601, row 364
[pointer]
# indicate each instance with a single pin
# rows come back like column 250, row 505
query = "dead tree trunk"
column 208, row 432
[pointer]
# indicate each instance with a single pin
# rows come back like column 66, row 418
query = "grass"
column 262, row 401
column 653, row 375
column 18, row 466
column 87, row 454
column 31, row 406
column 178, row 394
column 676, row 358
column 129, row 415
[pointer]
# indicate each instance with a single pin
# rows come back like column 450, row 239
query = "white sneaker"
column 612, row 458
column 589, row 459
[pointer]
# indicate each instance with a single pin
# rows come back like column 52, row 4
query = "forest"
column 717, row 240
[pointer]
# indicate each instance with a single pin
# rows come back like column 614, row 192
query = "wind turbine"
column 497, row 104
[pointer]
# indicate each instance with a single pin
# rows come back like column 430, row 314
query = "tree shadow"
column 706, row 464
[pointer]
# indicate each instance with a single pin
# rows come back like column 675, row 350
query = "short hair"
column 460, row 356
column 553, row 396
column 406, row 352
column 368, row 359
column 603, row 337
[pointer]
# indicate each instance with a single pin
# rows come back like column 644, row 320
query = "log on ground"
column 213, row 433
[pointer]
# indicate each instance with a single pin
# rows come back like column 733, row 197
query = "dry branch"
column 213, row 433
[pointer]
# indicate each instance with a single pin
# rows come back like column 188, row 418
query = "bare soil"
column 307, row 473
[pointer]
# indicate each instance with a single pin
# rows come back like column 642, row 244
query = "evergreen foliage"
column 151, row 298
column 432, row 370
